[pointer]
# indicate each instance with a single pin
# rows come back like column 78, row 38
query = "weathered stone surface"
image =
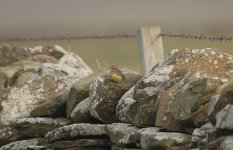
column 21, row 145
column 10, row 54
column 81, row 112
column 119, row 131
column 43, row 59
column 80, row 90
column 178, row 67
column 23, row 101
column 137, row 105
column 105, row 94
column 65, row 73
column 38, row 127
column 76, row 131
column 88, row 143
column 164, row 140
column 25, row 77
column 220, row 100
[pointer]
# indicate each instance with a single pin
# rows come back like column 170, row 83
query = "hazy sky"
column 53, row 17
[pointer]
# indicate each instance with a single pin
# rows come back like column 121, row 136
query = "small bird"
column 115, row 74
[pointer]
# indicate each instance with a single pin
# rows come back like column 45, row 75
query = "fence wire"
column 118, row 36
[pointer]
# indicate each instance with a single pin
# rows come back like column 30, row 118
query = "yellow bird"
column 115, row 74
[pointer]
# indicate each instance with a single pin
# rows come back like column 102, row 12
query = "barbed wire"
column 118, row 35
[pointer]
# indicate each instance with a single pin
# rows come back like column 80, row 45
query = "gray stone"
column 220, row 100
column 105, row 94
column 164, row 140
column 38, row 127
column 224, row 118
column 20, row 145
column 119, row 131
column 76, row 131
column 81, row 112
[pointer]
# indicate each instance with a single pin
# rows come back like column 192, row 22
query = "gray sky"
column 59, row 17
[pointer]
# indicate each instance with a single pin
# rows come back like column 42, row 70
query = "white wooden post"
column 151, row 47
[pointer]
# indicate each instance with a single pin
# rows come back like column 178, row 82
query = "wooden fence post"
column 151, row 47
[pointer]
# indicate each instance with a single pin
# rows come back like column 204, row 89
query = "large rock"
column 178, row 72
column 76, row 131
column 10, row 54
column 38, row 127
column 23, row 101
column 105, row 94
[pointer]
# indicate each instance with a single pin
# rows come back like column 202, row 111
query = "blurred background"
column 51, row 18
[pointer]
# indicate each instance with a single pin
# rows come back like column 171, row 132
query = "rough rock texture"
column 76, row 131
column 120, row 131
column 164, row 140
column 65, row 73
column 10, row 54
column 81, row 112
column 23, row 101
column 207, row 68
column 105, row 94
column 38, row 127
column 21, row 145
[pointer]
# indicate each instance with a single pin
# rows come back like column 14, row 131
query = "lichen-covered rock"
column 209, row 66
column 76, row 131
column 65, row 73
column 120, row 131
column 10, row 54
column 22, row 145
column 81, row 112
column 105, row 94
column 38, row 127
column 165, row 140
column 22, row 101
column 137, row 105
